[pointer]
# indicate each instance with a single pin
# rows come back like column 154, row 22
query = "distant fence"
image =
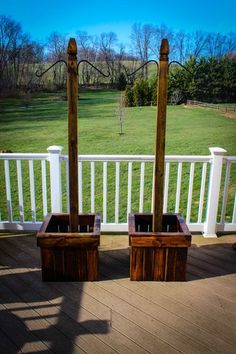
column 211, row 105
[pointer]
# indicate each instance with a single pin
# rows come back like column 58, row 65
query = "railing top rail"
column 116, row 158
column 23, row 156
column 231, row 159
column 140, row 158
column 187, row 158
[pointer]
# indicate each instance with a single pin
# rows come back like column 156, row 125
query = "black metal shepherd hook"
column 94, row 67
column 172, row 62
column 40, row 74
column 193, row 73
column 142, row 66
column 182, row 66
column 50, row 67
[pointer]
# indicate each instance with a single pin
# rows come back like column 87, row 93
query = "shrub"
column 129, row 96
column 153, row 90
column 142, row 94
column 121, row 82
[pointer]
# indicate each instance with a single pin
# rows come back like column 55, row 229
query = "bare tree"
column 141, row 37
column 56, row 48
column 158, row 33
column 30, row 58
column 198, row 44
column 107, row 42
column 87, row 50
column 181, row 46
column 18, row 57
column 215, row 45
column 120, row 113
column 230, row 45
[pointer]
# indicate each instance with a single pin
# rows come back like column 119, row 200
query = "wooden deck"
column 116, row 315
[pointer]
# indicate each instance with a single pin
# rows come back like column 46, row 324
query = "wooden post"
column 160, row 137
column 72, row 97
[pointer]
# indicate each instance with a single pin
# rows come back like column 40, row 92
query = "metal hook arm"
column 142, row 66
column 40, row 74
column 184, row 67
column 94, row 67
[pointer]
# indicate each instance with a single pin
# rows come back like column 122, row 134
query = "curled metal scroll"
column 142, row 66
column 172, row 62
column 182, row 66
column 40, row 74
column 193, row 73
column 94, row 67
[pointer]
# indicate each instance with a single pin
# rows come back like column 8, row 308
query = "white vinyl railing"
column 202, row 188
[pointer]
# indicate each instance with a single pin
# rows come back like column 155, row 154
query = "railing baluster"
column 234, row 211
column 80, row 183
column 166, row 187
column 117, row 192
column 104, row 213
column 141, row 189
column 8, row 190
column 129, row 193
column 202, row 192
column 44, row 188
column 32, row 190
column 141, row 179
column 178, row 187
column 190, row 192
column 226, row 190
column 20, row 190
column 92, row 186
column 67, row 187
column 153, row 184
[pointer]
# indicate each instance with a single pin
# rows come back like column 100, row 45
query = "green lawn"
column 44, row 123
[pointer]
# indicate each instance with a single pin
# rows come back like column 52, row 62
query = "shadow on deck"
column 114, row 314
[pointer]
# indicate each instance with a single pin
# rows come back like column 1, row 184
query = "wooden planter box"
column 158, row 256
column 69, row 256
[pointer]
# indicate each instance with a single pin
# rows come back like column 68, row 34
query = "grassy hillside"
column 44, row 123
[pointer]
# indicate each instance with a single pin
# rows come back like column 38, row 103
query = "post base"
column 69, row 256
column 158, row 256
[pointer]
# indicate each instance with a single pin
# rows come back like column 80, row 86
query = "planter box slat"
column 159, row 256
column 67, row 256
column 161, row 241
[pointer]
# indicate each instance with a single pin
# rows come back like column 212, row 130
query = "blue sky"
column 41, row 18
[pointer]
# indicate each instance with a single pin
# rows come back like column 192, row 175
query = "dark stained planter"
column 159, row 256
column 69, row 256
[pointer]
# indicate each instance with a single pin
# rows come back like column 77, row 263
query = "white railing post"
column 217, row 155
column 55, row 177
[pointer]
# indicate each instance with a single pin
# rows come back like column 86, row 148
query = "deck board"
column 115, row 315
column 7, row 346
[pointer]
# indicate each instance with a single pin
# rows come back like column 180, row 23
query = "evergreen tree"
column 129, row 96
column 209, row 80
column 121, row 82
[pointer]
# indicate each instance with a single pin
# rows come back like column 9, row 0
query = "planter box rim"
column 185, row 230
column 42, row 231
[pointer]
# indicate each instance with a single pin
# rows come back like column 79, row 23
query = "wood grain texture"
column 160, row 136
column 72, row 98
column 67, row 256
column 158, row 256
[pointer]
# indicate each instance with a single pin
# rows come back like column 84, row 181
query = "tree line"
column 21, row 57
column 208, row 80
